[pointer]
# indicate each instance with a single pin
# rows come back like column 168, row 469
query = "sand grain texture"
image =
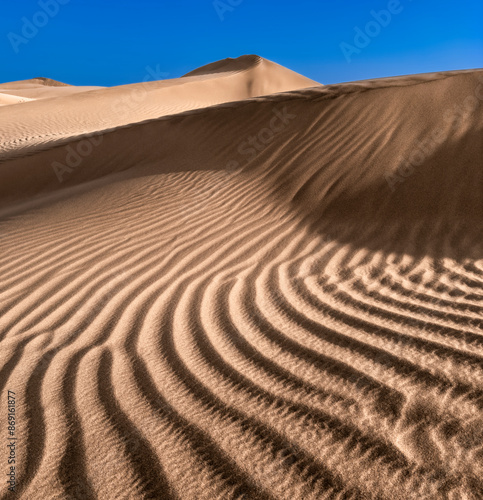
column 191, row 313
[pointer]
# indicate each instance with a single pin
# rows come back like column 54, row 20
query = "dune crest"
column 243, row 284
column 261, row 76
column 96, row 110
column 41, row 88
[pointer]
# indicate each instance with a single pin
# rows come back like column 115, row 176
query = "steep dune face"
column 369, row 149
column 239, row 295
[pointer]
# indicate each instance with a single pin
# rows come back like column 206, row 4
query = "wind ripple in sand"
column 197, row 334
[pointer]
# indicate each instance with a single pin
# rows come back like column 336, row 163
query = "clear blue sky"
column 107, row 42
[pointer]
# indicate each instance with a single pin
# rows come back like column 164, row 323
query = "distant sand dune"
column 196, row 314
column 48, row 121
column 42, row 88
column 7, row 99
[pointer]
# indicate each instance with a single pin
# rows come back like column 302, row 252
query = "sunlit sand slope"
column 271, row 290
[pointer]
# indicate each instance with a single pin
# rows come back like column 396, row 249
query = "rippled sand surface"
column 242, row 284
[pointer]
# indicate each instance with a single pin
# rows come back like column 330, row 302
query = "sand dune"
column 45, row 123
column 42, row 88
column 245, row 285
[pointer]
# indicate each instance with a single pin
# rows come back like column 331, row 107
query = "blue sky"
column 96, row 42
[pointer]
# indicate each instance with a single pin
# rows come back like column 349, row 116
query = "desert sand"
column 243, row 284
